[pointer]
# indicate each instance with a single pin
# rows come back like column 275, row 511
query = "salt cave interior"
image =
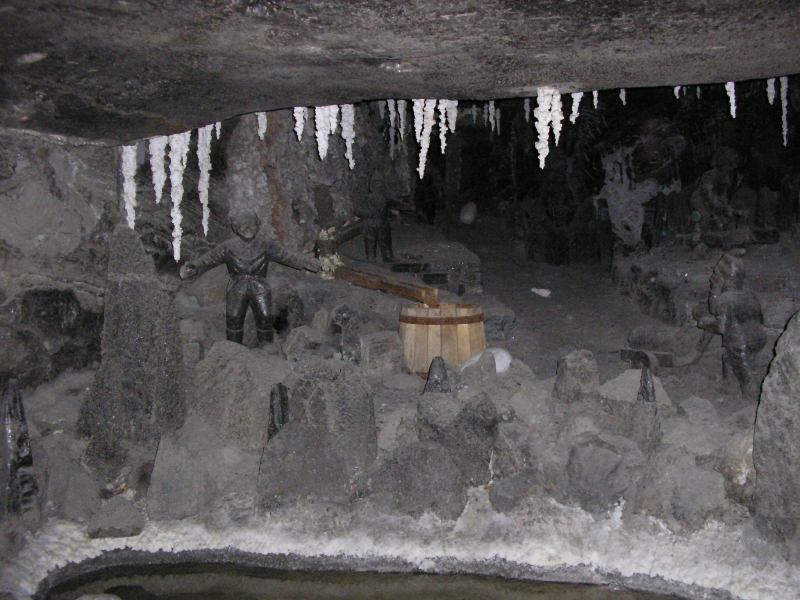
column 427, row 299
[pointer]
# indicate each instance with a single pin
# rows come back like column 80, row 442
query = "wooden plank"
column 477, row 337
column 449, row 337
column 434, row 341
column 463, row 344
column 398, row 287
column 421, row 361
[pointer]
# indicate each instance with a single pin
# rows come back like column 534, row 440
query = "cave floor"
column 585, row 311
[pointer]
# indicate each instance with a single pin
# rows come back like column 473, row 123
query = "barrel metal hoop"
column 441, row 320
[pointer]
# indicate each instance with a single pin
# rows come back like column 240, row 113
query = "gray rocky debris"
column 776, row 445
column 736, row 466
column 278, row 408
column 381, row 353
column 417, row 478
column 117, row 518
column 467, row 430
column 403, row 381
column 577, row 376
column 233, row 386
column 348, row 323
column 71, row 493
column 625, row 388
column 180, row 485
column 306, row 342
column 437, row 382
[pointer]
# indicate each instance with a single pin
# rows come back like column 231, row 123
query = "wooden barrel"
column 453, row 331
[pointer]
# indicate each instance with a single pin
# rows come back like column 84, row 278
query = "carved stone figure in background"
column 709, row 202
column 374, row 211
column 736, row 315
column 17, row 484
column 247, row 257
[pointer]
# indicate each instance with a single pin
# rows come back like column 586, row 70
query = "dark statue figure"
column 374, row 212
column 736, row 315
column 247, row 257
column 19, row 487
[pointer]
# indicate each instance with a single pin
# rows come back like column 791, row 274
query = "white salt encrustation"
column 178, row 151
column 543, row 116
column 623, row 97
column 128, row 165
column 348, row 132
column 677, row 91
column 452, row 115
column 392, row 120
column 730, row 87
column 262, row 124
column 157, row 148
column 218, row 129
column 474, row 114
column 556, row 114
column 382, row 108
column 595, row 98
column 491, row 114
column 299, row 113
column 697, row 92
column 442, row 106
column 204, row 164
column 576, row 107
column 485, row 114
column 771, row 91
column 785, row 109
column 401, row 112
column 527, row 106
column 419, row 117
column 497, row 119
column 325, row 121
column 429, row 116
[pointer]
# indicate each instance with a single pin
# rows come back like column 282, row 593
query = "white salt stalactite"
column 401, row 112
column 392, row 120
column 452, row 115
column 129, row 183
column 157, row 149
column 785, row 109
column 300, row 113
column 442, row 106
column 218, row 129
column 556, row 114
column 527, row 105
column 262, row 124
column 595, row 98
column 419, row 117
column 697, row 92
column 677, row 91
column 730, row 87
column 325, row 120
column 178, row 151
column 491, row 114
column 348, row 132
column 576, row 106
column 497, row 119
column 204, row 164
column 485, row 115
column 542, row 115
column 623, row 97
column 382, row 108
column 474, row 114
column 771, row 91
column 428, row 117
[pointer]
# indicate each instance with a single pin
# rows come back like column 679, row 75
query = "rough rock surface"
column 180, row 485
column 776, row 446
column 138, row 392
column 233, row 385
column 117, row 518
column 577, row 375
column 371, row 48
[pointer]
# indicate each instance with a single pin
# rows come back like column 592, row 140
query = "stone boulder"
column 117, row 518
column 138, row 392
column 381, row 353
column 467, row 430
column 233, row 386
column 776, row 445
column 577, row 376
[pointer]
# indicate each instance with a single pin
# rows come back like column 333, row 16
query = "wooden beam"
column 398, row 287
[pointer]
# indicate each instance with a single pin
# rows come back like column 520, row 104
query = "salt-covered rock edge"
column 718, row 557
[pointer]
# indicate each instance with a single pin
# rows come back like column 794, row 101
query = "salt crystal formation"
column 348, row 132
column 157, row 148
column 392, row 120
column 576, row 105
column 429, row 112
column 785, row 109
column 677, row 91
column 178, row 151
column 556, row 114
column 204, row 164
column 452, row 114
column 474, row 114
column 401, row 112
column 595, row 98
column 497, row 119
column 543, row 115
column 730, row 87
column 442, row 124
column 771, row 91
column 299, row 113
column 129, row 183
column 382, row 108
column 623, row 97
column 527, row 105
column 325, row 121
column 485, row 114
column 698, row 92
column 491, row 114
column 419, row 110
column 262, row 124
column 218, row 129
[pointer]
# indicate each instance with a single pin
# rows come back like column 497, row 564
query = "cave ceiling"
column 116, row 71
